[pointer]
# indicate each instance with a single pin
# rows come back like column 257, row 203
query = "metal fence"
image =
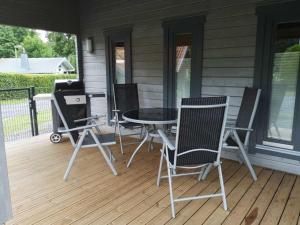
column 22, row 117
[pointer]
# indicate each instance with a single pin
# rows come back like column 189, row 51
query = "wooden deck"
column 94, row 196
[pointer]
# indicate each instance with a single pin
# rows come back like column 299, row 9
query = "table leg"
column 139, row 147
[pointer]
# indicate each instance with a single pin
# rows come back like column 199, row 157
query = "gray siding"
column 54, row 15
column 229, row 44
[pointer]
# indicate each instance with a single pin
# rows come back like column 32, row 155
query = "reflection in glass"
column 286, row 60
column 183, row 66
column 120, row 63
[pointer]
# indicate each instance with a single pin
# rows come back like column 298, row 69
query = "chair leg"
column 222, row 187
column 110, row 153
column 245, row 156
column 160, row 167
column 150, row 146
column 201, row 173
column 73, row 157
column 206, row 172
column 120, row 138
column 226, row 136
column 103, row 153
column 171, row 190
column 141, row 134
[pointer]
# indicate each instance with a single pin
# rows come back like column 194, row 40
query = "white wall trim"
column 267, row 161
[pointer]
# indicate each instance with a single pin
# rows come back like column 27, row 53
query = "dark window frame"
column 113, row 36
column 195, row 25
column 268, row 17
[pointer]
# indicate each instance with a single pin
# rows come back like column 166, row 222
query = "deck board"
column 292, row 208
column 92, row 195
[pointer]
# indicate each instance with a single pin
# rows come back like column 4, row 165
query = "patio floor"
column 94, row 196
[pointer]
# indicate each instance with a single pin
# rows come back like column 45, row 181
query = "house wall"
column 229, row 44
column 54, row 15
column 229, row 51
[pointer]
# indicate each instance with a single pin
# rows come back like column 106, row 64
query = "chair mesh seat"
column 231, row 142
column 126, row 97
column 199, row 128
column 104, row 139
column 245, row 111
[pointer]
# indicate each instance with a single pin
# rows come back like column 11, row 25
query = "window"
column 278, row 74
column 183, row 66
column 118, row 60
column 183, row 43
column 119, row 55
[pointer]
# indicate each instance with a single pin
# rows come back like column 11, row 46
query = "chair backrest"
column 126, row 97
column 70, row 105
column 201, row 125
column 247, row 112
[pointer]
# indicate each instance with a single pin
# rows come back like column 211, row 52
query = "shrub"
column 43, row 83
column 10, row 80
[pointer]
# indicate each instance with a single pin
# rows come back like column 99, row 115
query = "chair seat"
column 202, row 158
column 130, row 125
column 104, row 139
column 231, row 142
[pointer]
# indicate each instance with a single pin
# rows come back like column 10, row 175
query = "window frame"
column 113, row 36
column 268, row 17
column 191, row 24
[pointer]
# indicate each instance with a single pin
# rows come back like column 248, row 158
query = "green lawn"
column 21, row 123
column 13, row 101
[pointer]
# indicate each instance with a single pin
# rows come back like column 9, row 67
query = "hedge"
column 43, row 83
column 9, row 80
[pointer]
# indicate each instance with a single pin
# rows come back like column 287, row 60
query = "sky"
column 42, row 34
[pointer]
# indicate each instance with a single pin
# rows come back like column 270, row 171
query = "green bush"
column 43, row 83
column 10, row 80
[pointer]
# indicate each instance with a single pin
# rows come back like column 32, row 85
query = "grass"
column 21, row 123
column 13, row 101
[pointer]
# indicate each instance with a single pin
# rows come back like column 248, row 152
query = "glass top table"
column 150, row 117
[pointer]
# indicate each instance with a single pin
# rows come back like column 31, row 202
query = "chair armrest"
column 116, row 110
column 239, row 128
column 88, row 118
column 166, row 139
column 82, row 127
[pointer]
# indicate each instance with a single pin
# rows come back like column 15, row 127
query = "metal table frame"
column 150, row 131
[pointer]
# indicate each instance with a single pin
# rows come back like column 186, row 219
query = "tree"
column 12, row 36
column 20, row 33
column 63, row 45
column 36, row 48
column 7, row 42
column 294, row 48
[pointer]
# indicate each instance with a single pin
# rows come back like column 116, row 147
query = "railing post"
column 33, row 112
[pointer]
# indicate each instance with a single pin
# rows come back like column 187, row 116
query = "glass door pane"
column 183, row 66
column 285, row 75
column 120, row 63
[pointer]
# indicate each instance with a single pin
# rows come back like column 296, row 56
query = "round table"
column 150, row 117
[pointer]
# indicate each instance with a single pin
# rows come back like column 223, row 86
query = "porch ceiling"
column 93, row 195
column 54, row 15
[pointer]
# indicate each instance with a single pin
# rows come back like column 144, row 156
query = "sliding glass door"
column 284, row 83
column 278, row 74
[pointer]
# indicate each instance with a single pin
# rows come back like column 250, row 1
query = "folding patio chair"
column 200, row 131
column 237, row 137
column 67, row 103
column 125, row 98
